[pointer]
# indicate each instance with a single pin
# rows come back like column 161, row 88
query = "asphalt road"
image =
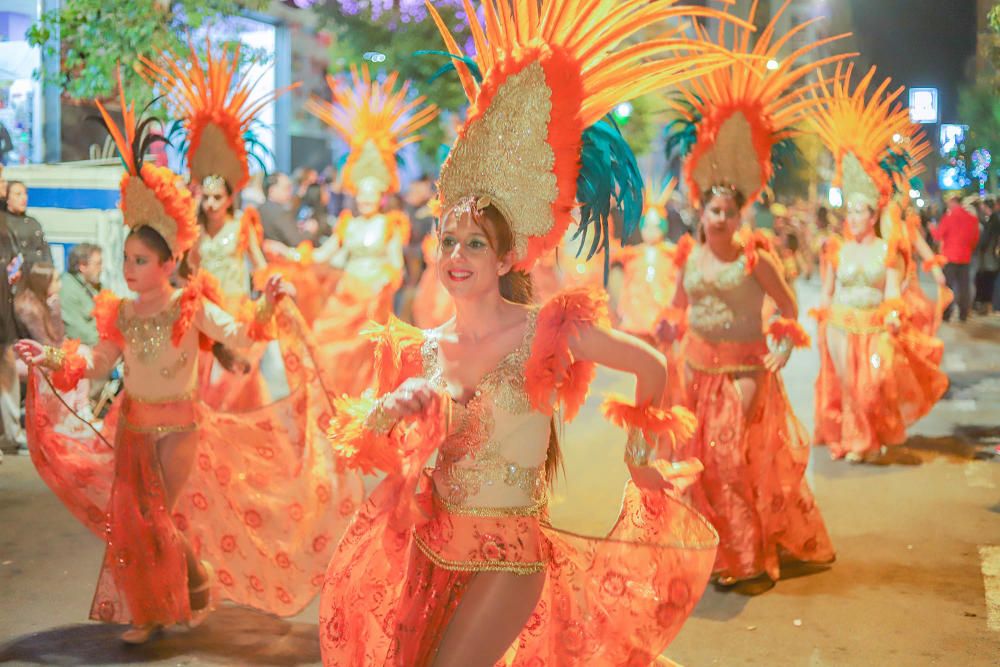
column 916, row 581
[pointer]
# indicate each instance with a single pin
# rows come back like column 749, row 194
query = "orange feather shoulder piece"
column 105, row 313
column 552, row 375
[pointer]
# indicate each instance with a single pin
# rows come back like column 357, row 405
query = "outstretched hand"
column 277, row 288
column 416, row 396
column 29, row 351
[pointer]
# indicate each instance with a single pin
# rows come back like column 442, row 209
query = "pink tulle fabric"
column 264, row 503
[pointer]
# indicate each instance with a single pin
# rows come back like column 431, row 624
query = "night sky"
column 918, row 43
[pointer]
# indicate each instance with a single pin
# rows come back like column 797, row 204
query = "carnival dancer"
column 754, row 449
column 878, row 372
column 192, row 504
column 376, row 120
column 902, row 218
column 459, row 565
column 216, row 116
column 650, row 273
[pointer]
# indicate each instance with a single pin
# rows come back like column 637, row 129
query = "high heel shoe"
column 198, row 615
column 139, row 634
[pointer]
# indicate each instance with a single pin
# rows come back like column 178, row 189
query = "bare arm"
column 622, row 352
column 769, row 277
column 257, row 260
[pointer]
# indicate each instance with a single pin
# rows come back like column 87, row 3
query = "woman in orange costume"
column 192, row 504
column 432, row 305
column 215, row 112
column 903, row 220
column 754, row 449
column 649, row 281
column 878, row 372
column 377, row 121
column 459, row 565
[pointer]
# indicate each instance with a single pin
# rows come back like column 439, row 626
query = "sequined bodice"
column 154, row 368
column 494, row 454
column 368, row 259
column 220, row 257
column 726, row 307
column 861, row 273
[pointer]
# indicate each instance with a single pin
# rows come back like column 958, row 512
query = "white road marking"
column 990, row 557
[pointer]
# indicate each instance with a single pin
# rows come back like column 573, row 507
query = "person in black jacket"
column 26, row 231
column 11, row 436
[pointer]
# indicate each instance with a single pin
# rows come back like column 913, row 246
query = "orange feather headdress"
column 151, row 196
column 735, row 121
column 864, row 132
column 376, row 121
column 536, row 143
column 216, row 109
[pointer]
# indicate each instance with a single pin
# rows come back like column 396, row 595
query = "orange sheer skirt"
column 753, row 489
column 391, row 591
column 873, row 384
column 264, row 501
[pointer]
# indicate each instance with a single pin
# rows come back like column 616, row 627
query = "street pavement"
column 916, row 581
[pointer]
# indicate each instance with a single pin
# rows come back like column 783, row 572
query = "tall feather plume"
column 766, row 88
column 576, row 44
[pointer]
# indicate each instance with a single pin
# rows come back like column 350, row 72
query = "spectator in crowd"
column 79, row 285
column 37, row 307
column 11, row 436
column 336, row 200
column 3, row 192
column 312, row 215
column 958, row 234
column 277, row 214
column 27, row 233
column 988, row 260
column 253, row 193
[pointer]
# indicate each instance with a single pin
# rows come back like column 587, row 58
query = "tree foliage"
column 393, row 37
column 95, row 37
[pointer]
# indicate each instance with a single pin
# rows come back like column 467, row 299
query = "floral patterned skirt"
column 753, row 489
column 888, row 381
column 391, row 589
column 264, row 502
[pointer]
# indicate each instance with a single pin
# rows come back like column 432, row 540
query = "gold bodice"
column 726, row 308
column 494, row 454
column 369, row 260
column 152, row 363
column 220, row 256
column 861, row 274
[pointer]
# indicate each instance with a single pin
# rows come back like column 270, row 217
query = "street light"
column 914, row 194
column 920, row 203
column 772, row 64
column 836, row 197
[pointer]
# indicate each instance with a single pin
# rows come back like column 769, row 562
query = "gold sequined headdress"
column 376, row 121
column 735, row 122
column 216, row 108
column 864, row 133
column 151, row 196
column 536, row 142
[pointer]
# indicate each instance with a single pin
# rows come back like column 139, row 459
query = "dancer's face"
column 468, row 264
column 215, row 200
column 652, row 232
column 721, row 217
column 143, row 268
column 369, row 198
column 860, row 219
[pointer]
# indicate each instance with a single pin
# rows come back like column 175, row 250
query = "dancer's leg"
column 176, row 453
column 493, row 610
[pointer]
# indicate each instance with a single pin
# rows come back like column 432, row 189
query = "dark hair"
column 271, row 180
column 725, row 190
column 202, row 220
column 153, row 240
column 37, row 282
column 81, row 254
